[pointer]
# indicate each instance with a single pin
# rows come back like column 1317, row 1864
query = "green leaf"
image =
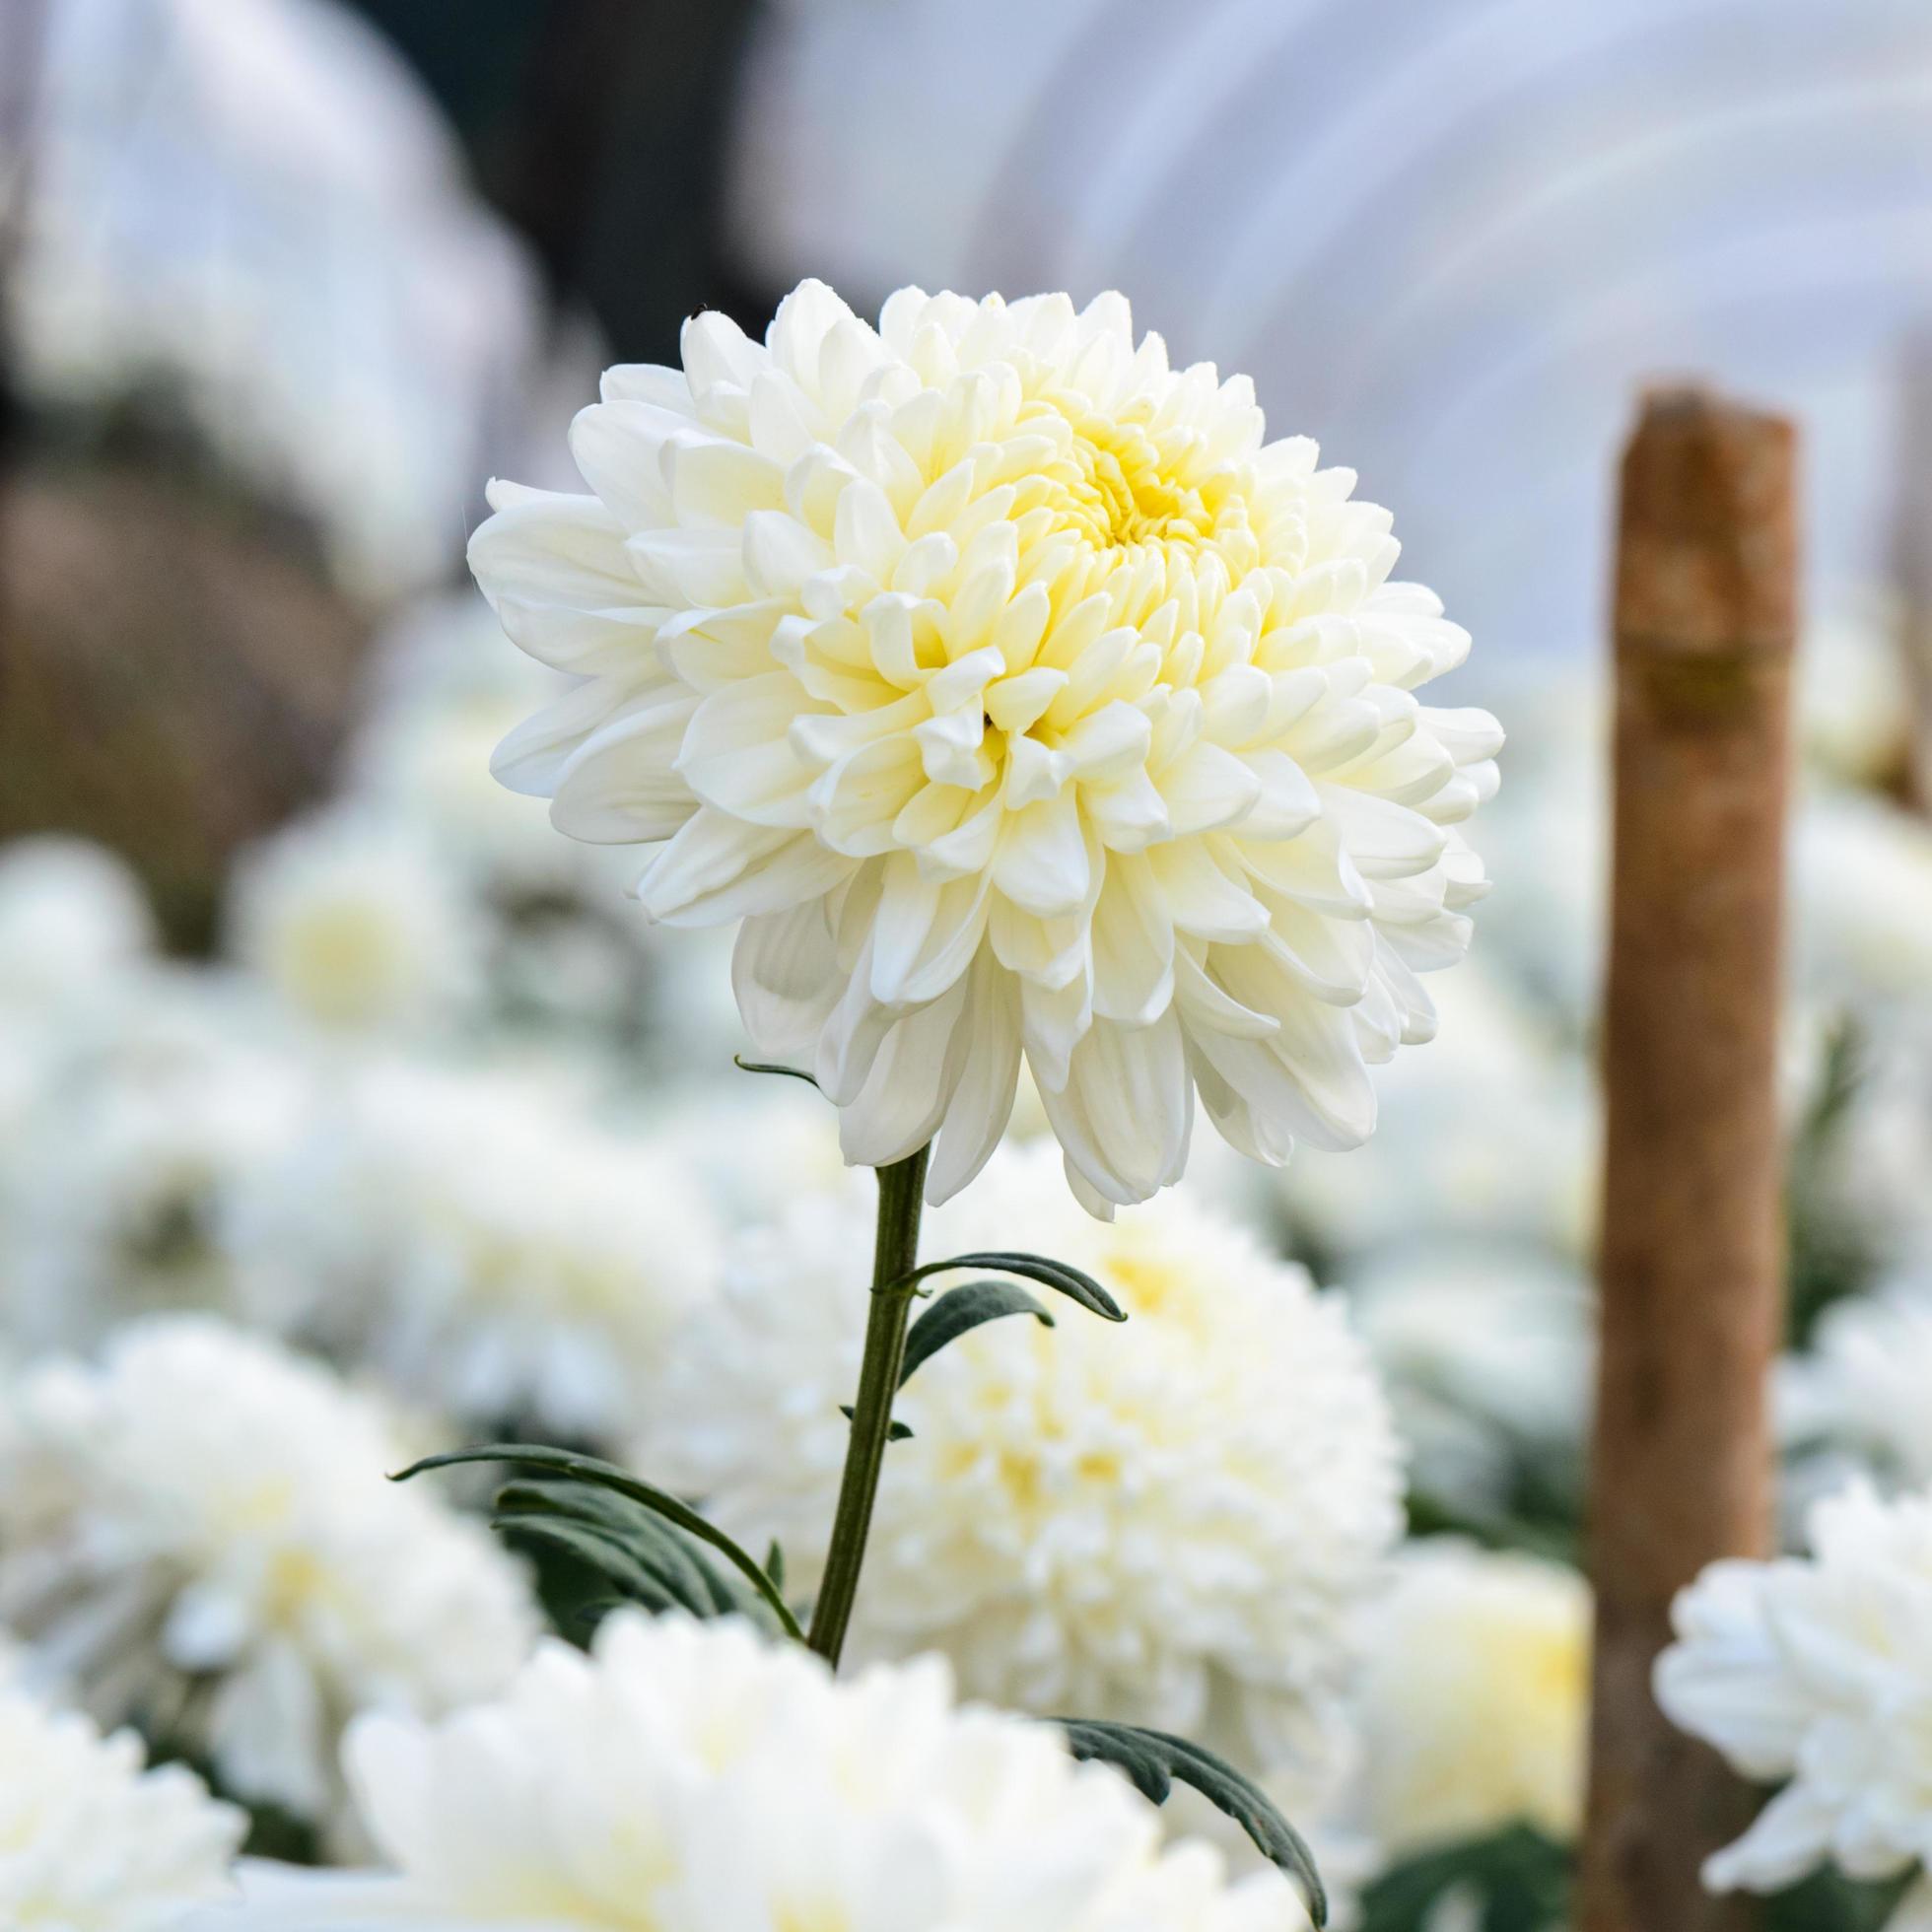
column 1055, row 1275
column 896, row 1430
column 960, row 1310
column 607, row 1475
column 1519, row 1881
column 1155, row 1759
column 673, row 1567
column 745, row 1065
column 775, row 1564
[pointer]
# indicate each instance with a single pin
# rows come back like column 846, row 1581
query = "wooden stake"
column 1692, row 1242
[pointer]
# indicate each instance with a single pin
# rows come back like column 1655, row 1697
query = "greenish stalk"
column 894, row 1254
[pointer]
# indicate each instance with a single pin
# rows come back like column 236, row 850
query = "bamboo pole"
column 1691, row 1259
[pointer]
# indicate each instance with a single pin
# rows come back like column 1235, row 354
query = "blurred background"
column 304, row 1021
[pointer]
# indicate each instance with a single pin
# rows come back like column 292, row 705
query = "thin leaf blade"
column 588, row 1469
column 1154, row 1761
column 1061, row 1276
column 958, row 1311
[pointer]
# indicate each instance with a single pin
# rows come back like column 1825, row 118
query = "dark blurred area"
column 599, row 128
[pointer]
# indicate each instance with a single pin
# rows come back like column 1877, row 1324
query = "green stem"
column 893, row 1256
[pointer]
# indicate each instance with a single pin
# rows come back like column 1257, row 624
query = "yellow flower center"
column 1122, row 486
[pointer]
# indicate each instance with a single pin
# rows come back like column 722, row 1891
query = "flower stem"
column 893, row 1256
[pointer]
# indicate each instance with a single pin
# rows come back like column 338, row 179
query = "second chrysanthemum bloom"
column 1021, row 698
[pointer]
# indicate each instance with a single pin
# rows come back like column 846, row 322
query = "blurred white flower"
column 1491, row 1134
column 150, row 1124
column 91, row 1841
column 357, row 923
column 1486, row 1353
column 443, row 688
column 1816, row 1671
column 1854, row 700
column 1862, row 1384
column 690, row 1778
column 72, row 916
column 1020, row 700
column 1862, row 883
column 1475, row 1698
column 197, row 1535
column 254, row 207
column 1172, row 1522
column 485, row 1242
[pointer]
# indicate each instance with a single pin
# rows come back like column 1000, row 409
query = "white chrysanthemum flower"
column 1021, row 700
column 488, row 1244
column 197, row 1535
column 1485, row 1352
column 1862, row 881
column 91, row 1841
column 146, row 1132
column 356, row 922
column 72, row 916
column 691, row 1778
column 1854, row 694
column 1475, row 1699
column 1171, row 1522
column 1520, row 1164
column 1862, row 1384
column 1816, row 1671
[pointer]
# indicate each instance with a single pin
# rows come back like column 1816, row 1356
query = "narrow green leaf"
column 1058, row 1276
column 896, row 1430
column 959, row 1311
column 745, row 1065
column 614, row 1565
column 775, row 1564
column 587, row 1469
column 1155, row 1759
column 677, row 1562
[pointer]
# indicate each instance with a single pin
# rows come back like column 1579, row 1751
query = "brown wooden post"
column 1693, row 1241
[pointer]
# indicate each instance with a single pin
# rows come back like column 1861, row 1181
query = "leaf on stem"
column 1058, row 1276
column 607, row 1475
column 959, row 1311
column 895, row 1432
column 1154, row 1759
column 628, row 1546
column 745, row 1065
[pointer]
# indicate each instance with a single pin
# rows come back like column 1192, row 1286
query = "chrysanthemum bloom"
column 149, row 1122
column 356, row 922
column 1859, row 1389
column 486, row 1243
column 72, row 917
column 197, row 1535
column 1817, row 1670
column 688, row 1777
column 1020, row 698
column 1174, row 1522
column 92, row 1843
column 1475, row 1697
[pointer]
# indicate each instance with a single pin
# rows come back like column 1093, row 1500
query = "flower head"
column 486, row 1243
column 1171, row 1522
column 1021, row 700
column 92, row 1843
column 146, row 1130
column 72, row 917
column 1475, row 1699
column 1814, row 1669
column 690, row 1778
column 357, row 923
column 197, row 1535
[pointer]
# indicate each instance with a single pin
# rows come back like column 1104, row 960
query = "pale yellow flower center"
column 1121, row 487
